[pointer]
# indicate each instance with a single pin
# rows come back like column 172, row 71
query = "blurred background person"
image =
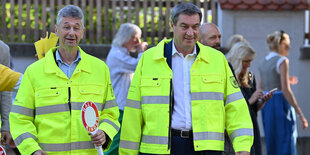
column 241, row 56
column 233, row 40
column 6, row 100
column 279, row 113
column 210, row 35
column 122, row 64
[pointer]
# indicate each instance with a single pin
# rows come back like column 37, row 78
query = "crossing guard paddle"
column 2, row 151
column 90, row 120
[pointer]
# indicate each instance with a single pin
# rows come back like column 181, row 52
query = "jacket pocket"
column 211, row 83
column 92, row 93
column 151, row 86
column 49, row 96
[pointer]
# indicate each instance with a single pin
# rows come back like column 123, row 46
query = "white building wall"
column 255, row 26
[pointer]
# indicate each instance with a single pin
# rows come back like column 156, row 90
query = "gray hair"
column 124, row 34
column 184, row 8
column 70, row 11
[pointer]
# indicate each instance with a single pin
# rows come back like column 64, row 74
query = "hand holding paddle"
column 90, row 120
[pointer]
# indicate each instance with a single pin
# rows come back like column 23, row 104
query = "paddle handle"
column 99, row 150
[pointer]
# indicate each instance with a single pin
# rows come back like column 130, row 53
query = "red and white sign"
column 90, row 120
column 2, row 151
column 90, row 116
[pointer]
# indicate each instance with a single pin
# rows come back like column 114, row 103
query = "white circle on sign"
column 90, row 116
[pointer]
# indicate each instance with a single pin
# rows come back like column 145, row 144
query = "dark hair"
column 281, row 37
column 184, row 8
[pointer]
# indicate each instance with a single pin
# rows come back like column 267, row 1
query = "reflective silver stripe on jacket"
column 207, row 96
column 67, row 146
column 52, row 109
column 155, row 99
column 133, row 104
column 110, row 104
column 154, row 139
column 233, row 97
column 63, row 108
column 22, row 110
column 24, row 136
column 129, row 145
column 78, row 105
column 110, row 122
column 241, row 132
column 208, row 136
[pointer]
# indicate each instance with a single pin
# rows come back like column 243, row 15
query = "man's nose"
column 190, row 32
column 71, row 31
column 218, row 40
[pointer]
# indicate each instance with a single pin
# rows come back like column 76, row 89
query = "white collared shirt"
column 182, row 114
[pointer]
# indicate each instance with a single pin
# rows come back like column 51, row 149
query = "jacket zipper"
column 171, row 105
column 69, row 99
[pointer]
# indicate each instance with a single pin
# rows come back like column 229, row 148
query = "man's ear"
column 83, row 33
column 56, row 30
column 171, row 25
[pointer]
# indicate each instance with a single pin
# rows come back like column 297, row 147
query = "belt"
column 182, row 133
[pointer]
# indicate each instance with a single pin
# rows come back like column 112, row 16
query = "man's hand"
column 99, row 138
column 142, row 47
column 242, row 153
column 6, row 138
column 39, row 152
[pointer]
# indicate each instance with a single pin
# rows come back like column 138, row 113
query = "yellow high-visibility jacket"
column 8, row 78
column 46, row 114
column 216, row 102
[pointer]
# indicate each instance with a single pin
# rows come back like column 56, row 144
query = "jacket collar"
column 201, row 50
column 51, row 66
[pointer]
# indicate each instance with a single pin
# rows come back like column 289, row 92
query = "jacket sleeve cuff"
column 28, row 146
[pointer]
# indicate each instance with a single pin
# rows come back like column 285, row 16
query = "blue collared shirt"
column 67, row 69
column 181, row 66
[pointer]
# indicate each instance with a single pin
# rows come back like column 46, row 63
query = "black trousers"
column 185, row 146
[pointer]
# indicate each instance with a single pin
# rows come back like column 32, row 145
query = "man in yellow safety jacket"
column 46, row 115
column 183, row 96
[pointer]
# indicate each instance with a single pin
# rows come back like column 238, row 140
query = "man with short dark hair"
column 46, row 115
column 182, row 97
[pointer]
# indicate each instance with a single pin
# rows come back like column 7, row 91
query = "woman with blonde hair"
column 241, row 56
column 279, row 113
